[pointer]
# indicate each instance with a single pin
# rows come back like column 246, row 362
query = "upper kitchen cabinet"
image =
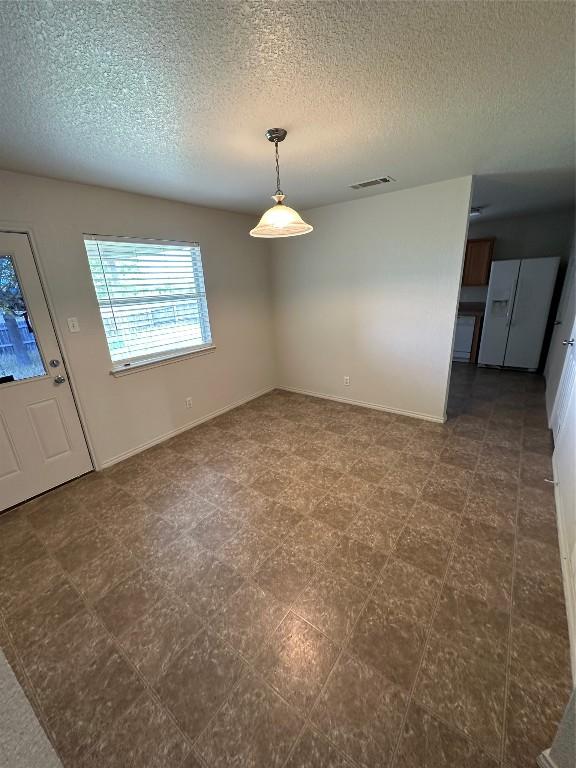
column 477, row 262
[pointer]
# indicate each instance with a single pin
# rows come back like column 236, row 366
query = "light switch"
column 73, row 325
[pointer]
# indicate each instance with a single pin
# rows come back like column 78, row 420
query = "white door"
column 564, row 319
column 41, row 439
column 499, row 305
column 530, row 314
column 564, row 459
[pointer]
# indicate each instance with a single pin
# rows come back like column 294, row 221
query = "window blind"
column 151, row 295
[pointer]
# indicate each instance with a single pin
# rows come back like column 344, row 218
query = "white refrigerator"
column 517, row 308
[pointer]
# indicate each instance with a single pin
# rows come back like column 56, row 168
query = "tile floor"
column 301, row 583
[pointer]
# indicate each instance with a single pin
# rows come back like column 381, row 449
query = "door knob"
column 568, row 343
column 59, row 379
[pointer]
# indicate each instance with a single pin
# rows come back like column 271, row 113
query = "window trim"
column 154, row 362
column 143, row 363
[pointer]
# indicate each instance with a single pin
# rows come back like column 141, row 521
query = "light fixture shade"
column 280, row 221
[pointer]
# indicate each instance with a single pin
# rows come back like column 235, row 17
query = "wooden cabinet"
column 477, row 262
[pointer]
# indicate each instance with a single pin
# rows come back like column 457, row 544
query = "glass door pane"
column 20, row 356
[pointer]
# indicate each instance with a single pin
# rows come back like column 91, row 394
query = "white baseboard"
column 237, row 403
column 189, row 425
column 545, row 761
column 569, row 586
column 364, row 404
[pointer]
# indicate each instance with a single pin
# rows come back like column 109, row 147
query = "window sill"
column 155, row 362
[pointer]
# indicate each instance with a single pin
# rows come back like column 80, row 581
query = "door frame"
column 562, row 399
column 554, row 350
column 567, row 576
column 26, row 229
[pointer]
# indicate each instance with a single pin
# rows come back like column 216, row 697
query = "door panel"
column 564, row 427
column 531, row 307
column 41, row 439
column 50, row 428
column 499, row 304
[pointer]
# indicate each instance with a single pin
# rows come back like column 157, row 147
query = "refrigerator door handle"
column 509, row 312
column 513, row 304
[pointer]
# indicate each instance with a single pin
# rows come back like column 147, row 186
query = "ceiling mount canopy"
column 280, row 220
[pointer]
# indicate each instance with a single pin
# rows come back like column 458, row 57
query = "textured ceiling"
column 173, row 98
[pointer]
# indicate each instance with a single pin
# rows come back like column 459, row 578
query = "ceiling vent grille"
column 372, row 182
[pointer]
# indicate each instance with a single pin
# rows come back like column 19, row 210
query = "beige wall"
column 372, row 294
column 529, row 237
column 124, row 414
column 532, row 236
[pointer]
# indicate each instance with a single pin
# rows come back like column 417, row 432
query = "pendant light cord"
column 278, row 190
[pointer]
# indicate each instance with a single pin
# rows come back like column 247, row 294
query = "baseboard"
column 189, row 425
column 237, row 403
column 545, row 761
column 569, row 586
column 364, row 404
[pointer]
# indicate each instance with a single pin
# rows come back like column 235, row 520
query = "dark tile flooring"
column 301, row 583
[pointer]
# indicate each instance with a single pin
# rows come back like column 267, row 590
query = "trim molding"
column 569, row 585
column 144, row 365
column 190, row 425
column 364, row 404
column 545, row 761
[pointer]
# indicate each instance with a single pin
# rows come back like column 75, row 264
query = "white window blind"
column 152, row 297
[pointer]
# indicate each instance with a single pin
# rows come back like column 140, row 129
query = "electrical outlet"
column 73, row 325
column 188, row 402
column 346, row 381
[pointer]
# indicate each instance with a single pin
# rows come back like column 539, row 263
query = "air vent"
column 372, row 182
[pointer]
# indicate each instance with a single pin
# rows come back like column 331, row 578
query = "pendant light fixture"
column 280, row 220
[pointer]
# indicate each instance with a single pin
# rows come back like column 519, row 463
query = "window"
column 152, row 298
column 20, row 356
